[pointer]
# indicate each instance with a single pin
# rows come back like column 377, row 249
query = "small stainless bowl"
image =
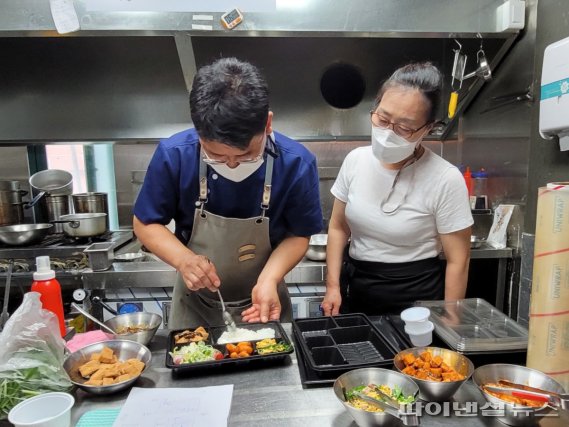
column 317, row 247
column 515, row 415
column 130, row 257
column 433, row 390
column 476, row 242
column 152, row 320
column 377, row 376
column 123, row 349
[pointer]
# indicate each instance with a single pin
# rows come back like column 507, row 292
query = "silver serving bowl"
column 151, row 320
column 317, row 247
column 433, row 390
column 476, row 242
column 23, row 234
column 123, row 349
column 377, row 376
column 515, row 415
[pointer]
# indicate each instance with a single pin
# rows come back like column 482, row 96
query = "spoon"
column 5, row 315
column 227, row 318
column 93, row 318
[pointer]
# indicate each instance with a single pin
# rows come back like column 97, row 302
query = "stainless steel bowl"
column 476, row 242
column 433, row 390
column 123, row 349
column 515, row 415
column 23, row 234
column 317, row 247
column 152, row 320
column 378, row 376
column 130, row 257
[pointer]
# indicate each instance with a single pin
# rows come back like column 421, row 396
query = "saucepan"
column 51, row 181
column 83, row 225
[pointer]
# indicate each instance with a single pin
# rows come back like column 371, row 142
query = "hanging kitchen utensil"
column 483, row 70
column 458, row 68
column 4, row 316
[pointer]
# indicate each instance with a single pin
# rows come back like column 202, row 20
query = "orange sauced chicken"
column 429, row 367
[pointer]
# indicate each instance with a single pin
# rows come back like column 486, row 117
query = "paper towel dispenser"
column 554, row 101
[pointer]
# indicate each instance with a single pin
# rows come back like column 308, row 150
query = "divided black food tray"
column 214, row 334
column 331, row 345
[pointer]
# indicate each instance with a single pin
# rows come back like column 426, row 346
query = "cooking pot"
column 83, row 225
column 55, row 207
column 91, row 202
column 11, row 205
column 317, row 247
column 51, row 181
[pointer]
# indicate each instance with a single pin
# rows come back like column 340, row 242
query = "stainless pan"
column 55, row 182
column 23, row 234
column 83, row 225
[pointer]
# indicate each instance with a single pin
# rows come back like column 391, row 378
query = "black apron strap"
column 376, row 288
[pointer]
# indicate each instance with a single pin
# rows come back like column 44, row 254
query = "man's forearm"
column 284, row 258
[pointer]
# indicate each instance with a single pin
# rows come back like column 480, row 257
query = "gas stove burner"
column 82, row 241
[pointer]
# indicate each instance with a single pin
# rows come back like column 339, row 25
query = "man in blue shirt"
column 245, row 201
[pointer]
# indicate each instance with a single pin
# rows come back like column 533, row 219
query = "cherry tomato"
column 218, row 355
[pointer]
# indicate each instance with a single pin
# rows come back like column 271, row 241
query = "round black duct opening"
column 342, row 86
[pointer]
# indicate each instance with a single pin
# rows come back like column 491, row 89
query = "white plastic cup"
column 415, row 314
column 421, row 334
column 46, row 410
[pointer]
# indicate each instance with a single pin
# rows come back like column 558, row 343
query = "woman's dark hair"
column 229, row 102
column 422, row 76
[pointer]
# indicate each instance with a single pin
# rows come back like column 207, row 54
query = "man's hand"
column 332, row 301
column 199, row 272
column 266, row 304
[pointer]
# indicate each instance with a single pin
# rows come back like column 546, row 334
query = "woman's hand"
column 266, row 304
column 332, row 301
column 199, row 272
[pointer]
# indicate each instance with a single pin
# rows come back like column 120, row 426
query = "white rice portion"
column 241, row 334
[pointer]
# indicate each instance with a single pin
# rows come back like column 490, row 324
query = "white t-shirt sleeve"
column 452, row 206
column 341, row 186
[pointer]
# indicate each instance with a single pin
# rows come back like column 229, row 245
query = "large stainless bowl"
column 515, row 415
column 151, row 320
column 377, row 376
column 123, row 349
column 23, row 234
column 432, row 390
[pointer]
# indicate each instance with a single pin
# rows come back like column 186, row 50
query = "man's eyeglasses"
column 401, row 130
column 212, row 161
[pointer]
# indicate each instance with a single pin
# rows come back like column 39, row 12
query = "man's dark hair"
column 422, row 76
column 229, row 102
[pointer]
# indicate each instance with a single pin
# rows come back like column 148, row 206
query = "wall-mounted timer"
column 231, row 19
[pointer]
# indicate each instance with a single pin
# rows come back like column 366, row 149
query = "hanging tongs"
column 458, row 68
column 390, row 406
column 552, row 399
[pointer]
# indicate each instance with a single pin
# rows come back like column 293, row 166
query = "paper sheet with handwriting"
column 176, row 407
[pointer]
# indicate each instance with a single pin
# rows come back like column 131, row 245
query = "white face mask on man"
column 240, row 172
column 389, row 147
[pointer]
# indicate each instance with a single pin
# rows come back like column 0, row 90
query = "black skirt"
column 377, row 288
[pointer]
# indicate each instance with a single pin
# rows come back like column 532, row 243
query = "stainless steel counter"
column 274, row 396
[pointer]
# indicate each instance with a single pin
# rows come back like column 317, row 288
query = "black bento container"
column 332, row 345
column 214, row 334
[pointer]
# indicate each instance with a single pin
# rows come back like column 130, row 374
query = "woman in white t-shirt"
column 399, row 204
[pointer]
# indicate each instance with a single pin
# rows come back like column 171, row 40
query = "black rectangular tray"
column 342, row 343
column 214, row 334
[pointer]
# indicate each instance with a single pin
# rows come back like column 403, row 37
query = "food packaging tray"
column 214, row 334
column 341, row 343
column 475, row 325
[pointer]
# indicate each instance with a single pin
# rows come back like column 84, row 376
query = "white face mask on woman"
column 389, row 147
column 240, row 172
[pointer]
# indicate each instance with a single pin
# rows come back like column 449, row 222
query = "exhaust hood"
column 126, row 75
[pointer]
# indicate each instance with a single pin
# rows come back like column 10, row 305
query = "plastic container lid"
column 44, row 271
column 415, row 314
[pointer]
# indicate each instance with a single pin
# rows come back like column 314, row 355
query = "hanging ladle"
column 93, row 318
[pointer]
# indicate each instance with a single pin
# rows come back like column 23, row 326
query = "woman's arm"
column 456, row 247
column 338, row 235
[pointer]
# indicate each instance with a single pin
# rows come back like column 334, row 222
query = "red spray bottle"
column 49, row 288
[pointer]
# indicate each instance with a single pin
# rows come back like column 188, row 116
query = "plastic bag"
column 31, row 355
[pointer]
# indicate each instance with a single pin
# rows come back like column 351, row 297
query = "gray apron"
column 239, row 249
